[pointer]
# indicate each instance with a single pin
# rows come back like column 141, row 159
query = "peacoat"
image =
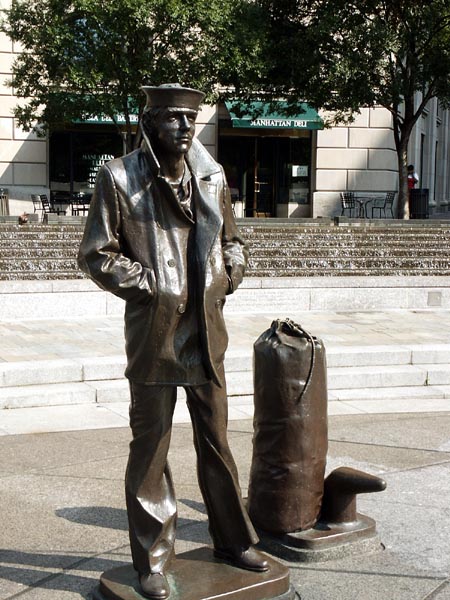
column 135, row 245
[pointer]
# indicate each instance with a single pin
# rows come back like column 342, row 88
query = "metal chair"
column 383, row 204
column 49, row 208
column 37, row 205
column 348, row 203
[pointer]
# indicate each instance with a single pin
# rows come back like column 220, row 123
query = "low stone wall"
column 23, row 300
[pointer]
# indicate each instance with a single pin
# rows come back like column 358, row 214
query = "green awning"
column 101, row 119
column 259, row 115
column 104, row 120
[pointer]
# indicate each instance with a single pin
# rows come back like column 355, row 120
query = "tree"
column 342, row 56
column 84, row 58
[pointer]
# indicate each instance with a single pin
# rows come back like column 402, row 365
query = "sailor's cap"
column 173, row 95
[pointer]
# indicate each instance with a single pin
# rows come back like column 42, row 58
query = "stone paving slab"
column 78, row 338
column 63, row 503
column 46, row 395
column 385, row 349
column 114, row 412
column 36, row 372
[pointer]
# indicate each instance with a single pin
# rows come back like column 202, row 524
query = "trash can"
column 418, row 203
column 4, row 201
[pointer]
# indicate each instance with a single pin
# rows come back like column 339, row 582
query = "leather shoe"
column 154, row 586
column 243, row 558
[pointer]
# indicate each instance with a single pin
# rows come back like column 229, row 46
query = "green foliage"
column 89, row 57
column 84, row 58
column 342, row 56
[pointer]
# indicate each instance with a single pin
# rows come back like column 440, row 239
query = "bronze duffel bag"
column 290, row 429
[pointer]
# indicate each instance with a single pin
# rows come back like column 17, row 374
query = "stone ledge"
column 375, row 377
column 352, row 367
column 37, row 372
column 103, row 368
column 115, row 394
column 438, row 374
column 430, row 353
column 32, row 286
column 46, row 395
column 32, row 218
column 359, row 356
column 348, row 281
column 387, row 393
column 117, row 390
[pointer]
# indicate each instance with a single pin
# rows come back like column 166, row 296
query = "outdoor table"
column 363, row 201
column 60, row 205
column 80, row 204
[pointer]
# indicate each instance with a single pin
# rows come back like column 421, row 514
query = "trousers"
column 150, row 497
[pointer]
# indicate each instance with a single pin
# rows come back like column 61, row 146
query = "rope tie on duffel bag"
column 289, row 326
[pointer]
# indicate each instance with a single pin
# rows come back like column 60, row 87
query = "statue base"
column 324, row 541
column 197, row 575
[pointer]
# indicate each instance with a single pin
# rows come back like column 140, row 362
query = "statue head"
column 169, row 116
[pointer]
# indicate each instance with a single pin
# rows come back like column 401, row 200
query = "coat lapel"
column 208, row 213
column 208, row 218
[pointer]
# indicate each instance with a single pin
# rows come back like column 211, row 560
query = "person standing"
column 161, row 235
column 413, row 178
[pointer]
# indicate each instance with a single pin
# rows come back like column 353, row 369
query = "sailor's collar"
column 200, row 162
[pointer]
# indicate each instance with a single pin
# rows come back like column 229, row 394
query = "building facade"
column 276, row 167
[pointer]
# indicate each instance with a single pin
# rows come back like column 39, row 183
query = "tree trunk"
column 138, row 136
column 403, row 192
column 129, row 141
column 128, row 137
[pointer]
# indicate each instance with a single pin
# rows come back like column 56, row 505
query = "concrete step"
column 53, row 265
column 350, row 361
column 37, row 253
column 13, row 247
column 346, row 272
column 26, row 275
column 353, row 251
column 387, row 393
column 46, row 297
column 117, row 391
column 36, row 231
column 346, row 240
column 61, row 382
column 44, row 372
column 16, row 247
column 365, row 230
column 56, row 394
column 276, row 249
column 360, row 262
column 374, row 377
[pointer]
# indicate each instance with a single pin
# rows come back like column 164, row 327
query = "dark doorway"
column 262, row 171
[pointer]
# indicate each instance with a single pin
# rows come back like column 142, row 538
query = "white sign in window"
column 299, row 170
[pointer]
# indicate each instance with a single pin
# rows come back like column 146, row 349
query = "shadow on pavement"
column 116, row 518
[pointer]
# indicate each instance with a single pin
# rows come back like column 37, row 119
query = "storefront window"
column 266, row 171
column 75, row 158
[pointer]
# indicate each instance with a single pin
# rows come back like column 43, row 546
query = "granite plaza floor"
column 64, row 520
column 63, row 511
column 103, row 336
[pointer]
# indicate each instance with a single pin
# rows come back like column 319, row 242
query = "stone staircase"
column 388, row 248
column 277, row 249
column 39, row 251
column 356, row 375
column 398, row 374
